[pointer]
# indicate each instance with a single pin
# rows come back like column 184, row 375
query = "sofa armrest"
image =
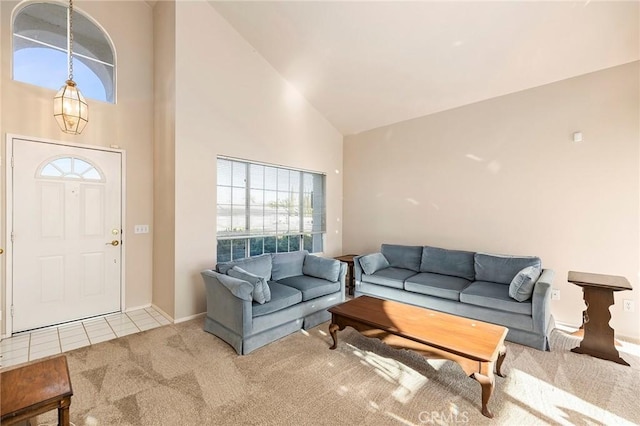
column 541, row 301
column 229, row 301
column 357, row 269
column 343, row 278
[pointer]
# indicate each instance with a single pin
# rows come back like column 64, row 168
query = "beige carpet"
column 181, row 375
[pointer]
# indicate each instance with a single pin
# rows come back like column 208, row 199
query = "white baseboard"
column 190, row 317
column 176, row 320
column 163, row 313
column 570, row 328
column 137, row 308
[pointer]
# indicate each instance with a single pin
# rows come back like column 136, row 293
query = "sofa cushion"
column 261, row 292
column 285, row 265
column 257, row 265
column 444, row 286
column 282, row 296
column 495, row 296
column 311, row 287
column 501, row 269
column 521, row 287
column 456, row 263
column 389, row 277
column 320, row 267
column 373, row 262
column 405, row 257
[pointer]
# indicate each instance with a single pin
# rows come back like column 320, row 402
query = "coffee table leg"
column 501, row 356
column 333, row 330
column 487, row 389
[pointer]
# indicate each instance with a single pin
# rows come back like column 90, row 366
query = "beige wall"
column 504, row 176
column 164, row 50
column 230, row 101
column 27, row 110
column 3, row 241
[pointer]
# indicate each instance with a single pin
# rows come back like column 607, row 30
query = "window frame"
column 64, row 175
column 91, row 63
column 303, row 235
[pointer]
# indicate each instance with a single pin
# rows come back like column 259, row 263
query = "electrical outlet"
column 555, row 294
column 141, row 229
column 628, row 305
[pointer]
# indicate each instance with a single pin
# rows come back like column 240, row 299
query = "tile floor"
column 28, row 346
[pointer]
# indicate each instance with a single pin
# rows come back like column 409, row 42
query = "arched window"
column 40, row 51
column 69, row 168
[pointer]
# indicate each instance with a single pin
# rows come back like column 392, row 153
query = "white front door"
column 66, row 233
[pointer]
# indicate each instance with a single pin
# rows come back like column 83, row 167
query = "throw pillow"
column 521, row 287
column 320, row 267
column 239, row 288
column 261, row 291
column 373, row 262
column 257, row 265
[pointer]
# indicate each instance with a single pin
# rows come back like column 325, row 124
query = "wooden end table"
column 35, row 388
column 348, row 259
column 478, row 347
column 598, row 291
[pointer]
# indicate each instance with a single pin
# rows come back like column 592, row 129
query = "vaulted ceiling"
column 368, row 64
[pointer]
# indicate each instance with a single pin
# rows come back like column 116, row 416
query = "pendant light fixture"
column 70, row 109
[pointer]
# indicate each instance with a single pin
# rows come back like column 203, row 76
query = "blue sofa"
column 300, row 288
column 511, row 291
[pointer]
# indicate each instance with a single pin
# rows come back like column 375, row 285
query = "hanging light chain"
column 70, row 40
column 69, row 106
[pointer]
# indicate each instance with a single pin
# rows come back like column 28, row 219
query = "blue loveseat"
column 252, row 302
column 511, row 291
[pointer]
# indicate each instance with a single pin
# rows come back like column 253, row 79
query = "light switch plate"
column 141, row 229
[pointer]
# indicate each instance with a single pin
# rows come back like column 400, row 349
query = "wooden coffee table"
column 476, row 346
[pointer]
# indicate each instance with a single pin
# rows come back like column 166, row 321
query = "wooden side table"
column 36, row 388
column 598, row 291
column 348, row 259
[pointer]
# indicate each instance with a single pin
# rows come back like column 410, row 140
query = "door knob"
column 113, row 243
column 1, row 251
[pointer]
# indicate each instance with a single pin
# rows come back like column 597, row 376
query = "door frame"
column 8, row 273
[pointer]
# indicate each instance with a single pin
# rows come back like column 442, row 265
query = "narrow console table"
column 36, row 388
column 598, row 291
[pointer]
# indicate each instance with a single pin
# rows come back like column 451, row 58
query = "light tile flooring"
column 28, row 346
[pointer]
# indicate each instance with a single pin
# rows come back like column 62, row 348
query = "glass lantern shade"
column 70, row 109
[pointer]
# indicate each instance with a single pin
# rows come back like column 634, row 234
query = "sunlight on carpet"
column 408, row 381
column 566, row 408
column 629, row 348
